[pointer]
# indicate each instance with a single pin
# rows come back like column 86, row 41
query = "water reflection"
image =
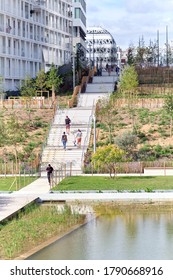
column 126, row 236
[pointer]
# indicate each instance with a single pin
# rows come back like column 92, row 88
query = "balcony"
column 37, row 5
column 36, row 8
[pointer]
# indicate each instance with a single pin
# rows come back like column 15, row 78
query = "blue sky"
column 129, row 20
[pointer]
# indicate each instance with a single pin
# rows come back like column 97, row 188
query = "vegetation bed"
column 36, row 225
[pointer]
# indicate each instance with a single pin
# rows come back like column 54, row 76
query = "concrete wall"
column 158, row 171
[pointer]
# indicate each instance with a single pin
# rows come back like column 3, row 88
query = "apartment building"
column 33, row 35
column 101, row 46
column 79, row 28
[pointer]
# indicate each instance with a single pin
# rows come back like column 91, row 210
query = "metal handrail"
column 86, row 140
column 47, row 135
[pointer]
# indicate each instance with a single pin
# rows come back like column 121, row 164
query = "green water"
column 126, row 236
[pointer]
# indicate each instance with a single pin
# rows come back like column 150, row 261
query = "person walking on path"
column 49, row 170
column 109, row 69
column 79, row 138
column 64, row 140
column 67, row 124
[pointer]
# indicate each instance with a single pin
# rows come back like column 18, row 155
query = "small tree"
column 107, row 112
column 15, row 134
column 28, row 88
column 128, row 86
column 1, row 85
column 108, row 156
column 2, row 130
column 40, row 81
column 168, row 105
column 130, row 55
column 127, row 141
column 140, row 52
column 128, row 80
column 53, row 80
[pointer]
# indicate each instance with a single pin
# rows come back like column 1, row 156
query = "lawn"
column 100, row 183
column 15, row 183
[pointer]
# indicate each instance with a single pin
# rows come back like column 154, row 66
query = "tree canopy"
column 128, row 79
column 107, row 157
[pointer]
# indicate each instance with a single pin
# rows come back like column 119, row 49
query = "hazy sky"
column 127, row 20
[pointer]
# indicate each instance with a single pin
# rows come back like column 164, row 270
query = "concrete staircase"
column 72, row 157
column 81, row 118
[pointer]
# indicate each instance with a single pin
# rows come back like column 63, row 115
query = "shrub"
column 127, row 141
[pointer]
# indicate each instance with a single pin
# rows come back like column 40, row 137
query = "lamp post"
column 93, row 49
column 73, row 62
column 73, row 47
column 89, row 55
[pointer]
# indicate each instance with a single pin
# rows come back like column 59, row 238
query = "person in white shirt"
column 78, row 138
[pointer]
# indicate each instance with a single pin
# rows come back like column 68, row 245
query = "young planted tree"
column 107, row 112
column 53, row 81
column 127, row 141
column 140, row 53
column 1, row 85
column 107, row 157
column 128, row 80
column 28, row 91
column 128, row 87
column 15, row 134
column 151, row 54
column 2, row 130
column 28, row 88
column 40, row 81
column 130, row 55
column 168, row 105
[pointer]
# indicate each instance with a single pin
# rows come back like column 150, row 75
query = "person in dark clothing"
column 49, row 170
column 64, row 140
column 67, row 124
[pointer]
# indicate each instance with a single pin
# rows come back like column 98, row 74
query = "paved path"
column 39, row 191
column 12, row 203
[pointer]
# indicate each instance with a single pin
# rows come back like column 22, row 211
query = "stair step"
column 81, row 117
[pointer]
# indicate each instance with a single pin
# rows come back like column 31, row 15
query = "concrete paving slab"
column 108, row 196
column 10, row 204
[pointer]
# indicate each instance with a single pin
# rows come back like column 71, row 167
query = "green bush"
column 39, row 124
column 127, row 141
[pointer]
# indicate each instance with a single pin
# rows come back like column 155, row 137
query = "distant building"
column 33, row 35
column 101, row 47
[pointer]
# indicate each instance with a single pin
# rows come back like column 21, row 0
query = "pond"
column 121, row 236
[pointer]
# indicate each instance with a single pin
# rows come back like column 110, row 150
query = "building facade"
column 79, row 29
column 101, row 47
column 33, row 35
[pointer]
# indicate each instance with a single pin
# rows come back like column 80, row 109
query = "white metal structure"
column 33, row 35
column 101, row 47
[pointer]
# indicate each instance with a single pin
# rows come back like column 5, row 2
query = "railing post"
column 94, row 119
column 70, row 169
